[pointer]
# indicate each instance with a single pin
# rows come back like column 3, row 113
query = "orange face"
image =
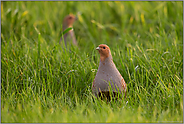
column 70, row 20
column 103, row 51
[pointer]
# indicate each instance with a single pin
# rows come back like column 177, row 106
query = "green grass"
column 43, row 82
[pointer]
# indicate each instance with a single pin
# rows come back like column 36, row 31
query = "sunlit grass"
column 41, row 81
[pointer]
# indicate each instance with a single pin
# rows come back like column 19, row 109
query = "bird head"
column 104, row 51
column 69, row 20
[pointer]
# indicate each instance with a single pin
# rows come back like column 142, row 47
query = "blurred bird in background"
column 70, row 35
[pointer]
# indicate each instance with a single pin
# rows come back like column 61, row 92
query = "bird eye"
column 103, row 47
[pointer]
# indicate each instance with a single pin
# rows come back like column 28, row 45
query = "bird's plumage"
column 69, row 36
column 107, row 74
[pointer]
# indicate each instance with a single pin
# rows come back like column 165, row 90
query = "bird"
column 67, row 23
column 108, row 77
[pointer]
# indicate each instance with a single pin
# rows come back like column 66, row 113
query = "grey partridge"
column 108, row 77
column 68, row 22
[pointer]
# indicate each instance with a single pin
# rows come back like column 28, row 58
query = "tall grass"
column 41, row 81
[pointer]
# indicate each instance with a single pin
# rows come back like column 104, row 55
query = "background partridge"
column 107, row 72
column 68, row 22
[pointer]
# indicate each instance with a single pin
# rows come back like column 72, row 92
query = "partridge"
column 68, row 22
column 108, row 77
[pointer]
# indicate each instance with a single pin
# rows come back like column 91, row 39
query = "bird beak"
column 98, row 48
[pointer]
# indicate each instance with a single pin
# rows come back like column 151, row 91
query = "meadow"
column 41, row 81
